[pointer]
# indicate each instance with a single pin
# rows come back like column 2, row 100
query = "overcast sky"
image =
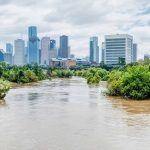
column 79, row 19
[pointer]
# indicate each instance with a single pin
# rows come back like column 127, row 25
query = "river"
column 67, row 114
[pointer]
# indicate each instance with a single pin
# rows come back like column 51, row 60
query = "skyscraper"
column 33, row 46
column 53, row 50
column 8, row 56
column 64, row 47
column 45, row 44
column 94, row 50
column 9, row 48
column 19, row 52
column 134, row 53
column 103, row 53
column 118, row 49
column 146, row 56
column 1, row 55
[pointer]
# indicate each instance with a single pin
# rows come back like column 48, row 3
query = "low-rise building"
column 63, row 63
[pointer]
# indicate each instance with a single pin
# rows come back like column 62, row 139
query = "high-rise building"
column 8, row 57
column 1, row 55
column 52, row 50
column 103, row 53
column 19, row 52
column 64, row 47
column 52, row 44
column 33, row 46
column 118, row 49
column 134, row 53
column 45, row 44
column 9, row 48
column 146, row 56
column 94, row 50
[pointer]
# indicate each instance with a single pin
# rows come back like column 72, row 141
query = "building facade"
column 146, row 56
column 118, row 49
column 1, row 55
column 134, row 53
column 45, row 44
column 64, row 49
column 53, row 50
column 8, row 57
column 103, row 53
column 33, row 46
column 9, row 48
column 94, row 50
column 19, row 52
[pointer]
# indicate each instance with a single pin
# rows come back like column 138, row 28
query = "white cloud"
column 79, row 19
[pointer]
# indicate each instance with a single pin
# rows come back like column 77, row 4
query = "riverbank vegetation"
column 4, row 88
column 60, row 73
column 131, row 82
column 93, row 75
column 25, row 74
column 19, row 75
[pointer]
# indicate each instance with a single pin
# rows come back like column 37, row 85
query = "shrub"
column 4, row 88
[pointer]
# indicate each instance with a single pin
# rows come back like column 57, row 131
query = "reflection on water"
column 67, row 114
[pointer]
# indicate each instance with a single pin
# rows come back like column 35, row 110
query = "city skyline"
column 54, row 18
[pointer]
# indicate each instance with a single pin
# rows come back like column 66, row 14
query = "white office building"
column 45, row 46
column 19, row 52
column 118, row 49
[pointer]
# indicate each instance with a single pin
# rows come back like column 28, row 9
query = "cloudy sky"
column 79, row 19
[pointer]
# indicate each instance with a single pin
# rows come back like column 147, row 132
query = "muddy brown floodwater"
column 67, row 114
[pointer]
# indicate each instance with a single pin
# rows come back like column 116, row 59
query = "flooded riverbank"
column 67, row 114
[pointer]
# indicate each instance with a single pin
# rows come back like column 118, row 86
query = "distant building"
column 1, row 55
column 53, row 50
column 82, row 62
column 9, row 48
column 8, row 57
column 72, row 56
column 19, row 52
column 94, row 50
column 118, row 49
column 26, row 55
column 63, row 63
column 45, row 44
column 146, row 56
column 103, row 53
column 33, row 46
column 134, row 53
column 64, row 49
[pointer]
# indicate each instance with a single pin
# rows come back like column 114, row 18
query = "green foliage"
column 93, row 75
column 60, row 73
column 4, row 88
column 133, row 82
column 25, row 74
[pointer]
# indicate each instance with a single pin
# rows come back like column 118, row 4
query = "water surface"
column 67, row 114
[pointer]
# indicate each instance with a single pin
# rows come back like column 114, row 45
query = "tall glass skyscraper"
column 53, row 50
column 94, row 50
column 9, row 48
column 52, row 44
column 33, row 46
column 64, row 50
